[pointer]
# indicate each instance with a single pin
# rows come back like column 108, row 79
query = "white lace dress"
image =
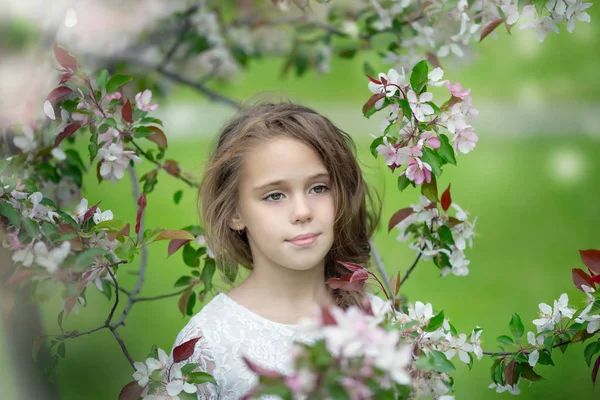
column 230, row 330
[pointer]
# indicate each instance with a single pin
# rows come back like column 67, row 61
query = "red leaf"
column 124, row 231
column 510, row 373
column 58, row 93
column 65, row 77
column 261, row 371
column 127, row 112
column 89, row 213
column 327, row 318
column 158, row 137
column 581, row 278
column 352, row 267
column 359, row 276
column 141, row 206
column 172, row 168
column 433, row 60
column 345, row 283
column 490, row 28
column 591, row 259
column 176, row 244
column 131, row 391
column 596, row 279
column 374, row 99
column 374, row 80
column 446, row 199
column 64, row 58
column 72, row 300
column 398, row 217
column 595, row 370
column 67, row 133
column 185, row 350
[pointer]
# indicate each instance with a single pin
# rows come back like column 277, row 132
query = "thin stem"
column 381, row 269
column 412, row 267
column 114, row 307
column 162, row 296
column 510, row 353
column 123, row 347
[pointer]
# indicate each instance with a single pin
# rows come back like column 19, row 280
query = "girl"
column 283, row 196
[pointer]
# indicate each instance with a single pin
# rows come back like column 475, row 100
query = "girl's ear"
column 236, row 224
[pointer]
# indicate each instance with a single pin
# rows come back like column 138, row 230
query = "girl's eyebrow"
column 283, row 181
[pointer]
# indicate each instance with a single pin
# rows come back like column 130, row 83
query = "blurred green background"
column 535, row 193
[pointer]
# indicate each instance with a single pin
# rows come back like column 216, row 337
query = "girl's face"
column 285, row 192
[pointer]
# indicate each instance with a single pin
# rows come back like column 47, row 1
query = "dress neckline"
column 255, row 315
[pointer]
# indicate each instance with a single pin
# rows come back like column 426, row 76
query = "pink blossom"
column 465, row 140
column 428, row 139
column 457, row 91
column 418, row 171
column 143, row 99
column 114, row 96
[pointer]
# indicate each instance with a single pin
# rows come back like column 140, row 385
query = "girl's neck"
column 283, row 287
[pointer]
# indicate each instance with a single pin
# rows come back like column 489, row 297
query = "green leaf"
column 61, row 350
column 7, row 210
column 101, row 79
column 190, row 304
column 430, row 190
column 436, row 109
column 187, row 396
column 368, row 70
column 440, row 362
column 528, row 373
column 446, row 235
column 177, row 196
column 183, row 281
column 545, row 359
column 116, row 81
column 406, row 110
column 516, row 326
column 499, row 374
column 32, row 227
column 435, row 322
column 374, row 145
column 446, row 151
column 187, row 368
column 142, row 132
column 198, row 378
column 207, row 273
column 433, row 159
column 590, row 351
column 403, row 182
column 86, row 259
column 189, row 256
column 506, row 340
column 418, row 78
column 107, row 289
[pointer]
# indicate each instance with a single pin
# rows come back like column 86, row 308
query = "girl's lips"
column 305, row 241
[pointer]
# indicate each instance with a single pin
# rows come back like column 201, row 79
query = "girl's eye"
column 274, row 197
column 320, row 189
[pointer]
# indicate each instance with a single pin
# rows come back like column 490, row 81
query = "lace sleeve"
column 202, row 355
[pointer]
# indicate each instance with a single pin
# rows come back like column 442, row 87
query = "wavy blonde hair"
column 357, row 210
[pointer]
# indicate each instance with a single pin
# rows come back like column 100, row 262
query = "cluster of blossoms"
column 404, row 352
column 453, row 28
column 425, row 224
column 409, row 147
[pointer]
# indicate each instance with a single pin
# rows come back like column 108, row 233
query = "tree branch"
column 162, row 296
column 510, row 353
column 412, row 267
column 381, row 269
column 122, row 344
column 144, row 252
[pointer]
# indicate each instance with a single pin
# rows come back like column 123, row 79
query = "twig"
column 114, row 307
column 412, row 267
column 122, row 344
column 144, row 251
column 510, row 353
column 214, row 96
column 184, row 30
column 381, row 269
column 162, row 296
